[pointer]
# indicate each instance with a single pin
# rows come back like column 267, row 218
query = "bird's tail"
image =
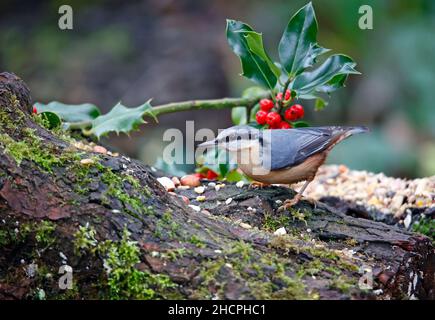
column 341, row 133
column 355, row 130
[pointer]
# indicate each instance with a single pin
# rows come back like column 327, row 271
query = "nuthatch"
column 281, row 156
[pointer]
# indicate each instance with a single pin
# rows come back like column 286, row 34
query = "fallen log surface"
column 122, row 236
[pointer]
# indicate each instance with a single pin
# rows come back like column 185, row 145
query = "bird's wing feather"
column 292, row 147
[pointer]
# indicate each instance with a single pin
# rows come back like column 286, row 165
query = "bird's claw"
column 292, row 202
column 257, row 184
column 288, row 204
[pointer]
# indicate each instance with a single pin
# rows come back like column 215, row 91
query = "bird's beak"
column 208, row 144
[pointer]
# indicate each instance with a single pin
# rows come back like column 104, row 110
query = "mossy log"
column 125, row 237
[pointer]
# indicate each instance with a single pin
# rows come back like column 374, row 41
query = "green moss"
column 273, row 222
column 175, row 254
column 289, row 244
column 343, row 283
column 249, row 267
column 117, row 184
column 4, row 238
column 44, row 233
column 124, row 280
column 84, row 239
column 243, row 249
column 301, row 215
column 41, row 230
column 30, row 148
column 197, row 241
column 166, row 227
column 115, row 188
column 426, row 227
column 311, row 268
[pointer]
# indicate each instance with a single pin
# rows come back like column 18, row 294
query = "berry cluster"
column 275, row 117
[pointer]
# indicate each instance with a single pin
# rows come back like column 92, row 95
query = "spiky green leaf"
column 239, row 115
column 120, row 119
column 70, row 112
column 328, row 74
column 255, row 43
column 254, row 67
column 298, row 48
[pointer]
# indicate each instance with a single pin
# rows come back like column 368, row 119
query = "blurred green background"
column 172, row 50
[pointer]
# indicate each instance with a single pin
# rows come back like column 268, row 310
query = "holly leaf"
column 254, row 67
column 51, row 118
column 320, row 104
column 254, row 110
column 300, row 124
column 335, row 83
column 326, row 76
column 255, row 43
column 120, row 119
column 239, row 115
column 298, row 48
column 70, row 112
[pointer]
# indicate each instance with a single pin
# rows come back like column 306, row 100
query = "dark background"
column 172, row 50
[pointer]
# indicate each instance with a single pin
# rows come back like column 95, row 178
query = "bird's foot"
column 257, row 184
column 292, row 202
column 289, row 203
column 311, row 201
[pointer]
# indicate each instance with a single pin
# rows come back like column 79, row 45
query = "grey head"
column 235, row 138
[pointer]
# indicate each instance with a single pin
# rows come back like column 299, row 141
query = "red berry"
column 273, row 119
column 211, row 175
column 284, row 125
column 34, row 110
column 199, row 175
column 294, row 112
column 261, row 116
column 266, row 105
column 299, row 110
column 287, row 96
column 290, row 114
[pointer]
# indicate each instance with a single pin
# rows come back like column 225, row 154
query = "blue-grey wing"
column 291, row 147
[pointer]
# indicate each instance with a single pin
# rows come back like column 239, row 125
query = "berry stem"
column 190, row 105
column 207, row 104
column 281, row 102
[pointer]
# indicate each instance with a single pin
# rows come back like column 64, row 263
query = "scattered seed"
column 245, row 225
column 228, row 201
column 87, row 161
column 176, row 181
column 280, row 232
column 190, row 180
column 183, row 187
column 185, row 199
column 199, row 190
column 240, row 184
column 99, row 149
column 200, row 198
column 196, row 208
column 166, row 183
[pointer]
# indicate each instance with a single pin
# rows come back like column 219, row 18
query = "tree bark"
column 124, row 236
